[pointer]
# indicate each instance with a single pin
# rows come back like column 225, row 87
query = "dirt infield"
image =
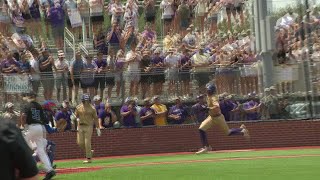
column 75, row 170
column 89, row 169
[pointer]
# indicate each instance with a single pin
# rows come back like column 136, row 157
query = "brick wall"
column 288, row 133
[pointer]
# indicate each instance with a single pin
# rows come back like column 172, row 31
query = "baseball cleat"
column 243, row 126
column 50, row 175
column 87, row 161
column 245, row 132
column 203, row 150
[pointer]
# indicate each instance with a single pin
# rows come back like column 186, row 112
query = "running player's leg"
column 51, row 148
column 205, row 125
column 87, row 140
column 41, row 147
column 221, row 122
column 80, row 138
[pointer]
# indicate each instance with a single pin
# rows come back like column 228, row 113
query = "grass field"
column 293, row 164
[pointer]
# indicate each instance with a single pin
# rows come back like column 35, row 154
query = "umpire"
column 86, row 116
column 16, row 156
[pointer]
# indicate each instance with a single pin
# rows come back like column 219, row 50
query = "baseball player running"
column 86, row 115
column 32, row 119
column 216, row 118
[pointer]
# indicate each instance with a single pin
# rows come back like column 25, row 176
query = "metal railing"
column 69, row 40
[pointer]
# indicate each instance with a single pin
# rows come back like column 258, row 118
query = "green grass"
column 300, row 168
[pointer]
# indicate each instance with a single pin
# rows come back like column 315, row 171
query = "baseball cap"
column 128, row 99
column 96, row 98
column 272, row 88
column 200, row 96
column 9, row 105
column 155, row 98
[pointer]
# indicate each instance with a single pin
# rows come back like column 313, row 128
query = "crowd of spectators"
column 152, row 112
column 127, row 54
column 190, row 49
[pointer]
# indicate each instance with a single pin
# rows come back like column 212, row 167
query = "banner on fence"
column 286, row 73
column 16, row 84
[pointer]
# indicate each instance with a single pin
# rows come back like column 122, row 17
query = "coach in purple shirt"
column 128, row 113
column 177, row 113
column 147, row 114
column 200, row 110
column 64, row 114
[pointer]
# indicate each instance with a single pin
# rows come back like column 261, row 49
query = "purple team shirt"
column 200, row 112
column 104, row 116
column 156, row 60
column 150, row 35
column 56, row 16
column 7, row 63
column 146, row 111
column 249, row 105
column 226, row 107
column 180, row 111
column 102, row 63
column 129, row 120
column 64, row 115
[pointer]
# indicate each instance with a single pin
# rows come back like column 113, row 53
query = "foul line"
column 95, row 168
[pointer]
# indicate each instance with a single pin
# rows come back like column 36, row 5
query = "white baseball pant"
column 35, row 134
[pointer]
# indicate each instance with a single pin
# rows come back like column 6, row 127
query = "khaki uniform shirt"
column 213, row 105
column 87, row 114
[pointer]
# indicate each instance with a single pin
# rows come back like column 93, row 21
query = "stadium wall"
column 184, row 138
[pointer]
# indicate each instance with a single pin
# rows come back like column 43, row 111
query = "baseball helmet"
column 85, row 97
column 211, row 88
column 116, row 125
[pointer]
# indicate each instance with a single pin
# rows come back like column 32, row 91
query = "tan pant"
column 84, row 139
column 215, row 121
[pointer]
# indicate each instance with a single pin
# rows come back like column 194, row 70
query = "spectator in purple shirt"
column 226, row 106
column 98, row 104
column 106, row 117
column 46, row 63
column 147, row 114
column 100, row 80
column 184, row 73
column 114, row 40
column 158, row 72
column 88, row 74
column 56, row 15
column 10, row 65
column 64, row 114
column 128, row 113
column 149, row 34
column 251, row 108
column 200, row 110
column 36, row 18
column 177, row 113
